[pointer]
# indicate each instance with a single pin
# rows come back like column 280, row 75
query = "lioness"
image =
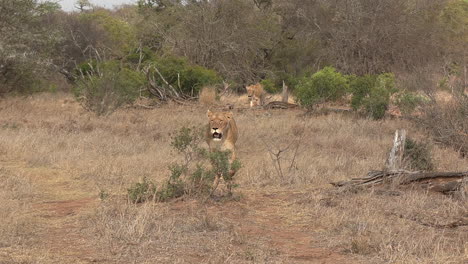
column 221, row 134
column 256, row 94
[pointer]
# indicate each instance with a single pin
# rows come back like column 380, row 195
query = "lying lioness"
column 222, row 135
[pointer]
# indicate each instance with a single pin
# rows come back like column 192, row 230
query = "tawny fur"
column 222, row 123
column 256, row 94
column 225, row 125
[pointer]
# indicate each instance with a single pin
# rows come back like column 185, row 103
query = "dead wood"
column 436, row 181
column 279, row 105
column 444, row 182
column 395, row 156
column 284, row 94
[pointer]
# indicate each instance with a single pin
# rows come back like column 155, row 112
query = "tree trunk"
column 284, row 94
column 395, row 157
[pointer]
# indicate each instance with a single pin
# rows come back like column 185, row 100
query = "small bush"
column 324, row 85
column 142, row 191
column 184, row 76
column 270, row 86
column 360, row 87
column 408, row 102
column 371, row 93
column 376, row 103
column 107, row 87
column 174, row 186
column 417, row 156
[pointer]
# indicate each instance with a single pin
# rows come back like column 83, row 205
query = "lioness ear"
column 229, row 115
column 209, row 113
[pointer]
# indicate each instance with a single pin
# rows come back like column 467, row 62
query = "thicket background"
column 241, row 41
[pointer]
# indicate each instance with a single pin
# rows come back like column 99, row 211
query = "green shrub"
column 174, row 186
column 407, row 101
column 121, row 35
column 18, row 75
column 376, row 103
column 360, row 87
column 324, row 85
column 184, row 76
column 417, row 156
column 371, row 93
column 86, row 68
column 108, row 87
column 142, row 191
column 270, row 86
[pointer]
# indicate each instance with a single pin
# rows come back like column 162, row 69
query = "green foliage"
column 174, row 186
column 142, row 191
column 103, row 195
column 86, row 68
column 186, row 77
column 408, row 102
column 371, row 93
column 377, row 102
column 360, row 87
column 417, row 156
column 270, row 86
column 26, row 45
column 108, row 87
column 324, row 85
column 121, row 35
column 454, row 17
column 184, row 139
column 140, row 55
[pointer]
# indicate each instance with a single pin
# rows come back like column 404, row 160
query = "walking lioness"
column 222, row 135
column 256, row 94
column 222, row 132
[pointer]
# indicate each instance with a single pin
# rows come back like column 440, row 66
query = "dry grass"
column 16, row 227
column 208, row 96
column 108, row 154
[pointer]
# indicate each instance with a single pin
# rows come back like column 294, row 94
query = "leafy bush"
column 142, row 191
column 417, row 156
column 371, row 93
column 108, row 86
column 86, row 68
column 324, row 85
column 360, row 87
column 186, row 77
column 120, row 34
column 270, row 86
column 408, row 102
column 377, row 102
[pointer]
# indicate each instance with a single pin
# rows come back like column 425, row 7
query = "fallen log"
column 437, row 181
column 279, row 105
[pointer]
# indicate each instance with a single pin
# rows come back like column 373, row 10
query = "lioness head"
column 219, row 124
column 250, row 90
column 254, row 101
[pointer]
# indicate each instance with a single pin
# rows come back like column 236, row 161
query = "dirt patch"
column 65, row 208
column 271, row 217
